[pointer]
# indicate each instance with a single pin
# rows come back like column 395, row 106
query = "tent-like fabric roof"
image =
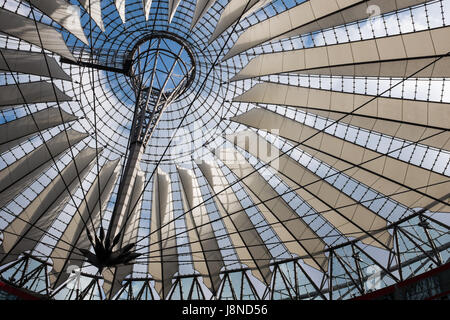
column 193, row 149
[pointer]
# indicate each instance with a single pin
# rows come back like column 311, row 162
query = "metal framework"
column 207, row 150
column 155, row 62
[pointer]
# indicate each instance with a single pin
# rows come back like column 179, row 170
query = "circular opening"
column 162, row 63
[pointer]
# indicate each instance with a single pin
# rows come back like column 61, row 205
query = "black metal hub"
column 105, row 256
column 161, row 64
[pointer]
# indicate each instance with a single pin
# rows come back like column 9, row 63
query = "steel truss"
column 347, row 276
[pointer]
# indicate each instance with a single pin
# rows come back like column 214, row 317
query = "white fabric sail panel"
column 247, row 242
column 201, row 7
column 416, row 198
column 362, row 11
column 64, row 254
column 126, row 188
column 255, row 7
column 131, row 229
column 379, row 172
column 414, row 68
column 163, row 254
column 114, row 276
column 24, row 171
column 320, row 100
column 23, row 28
column 120, row 5
column 36, row 122
column 423, row 113
column 76, row 259
column 439, row 139
column 310, row 16
column 14, row 132
column 29, row 93
column 94, row 8
column 278, row 213
column 173, row 5
column 65, row 14
column 24, row 232
column 344, row 213
column 147, row 5
column 233, row 11
column 110, row 281
column 204, row 247
column 31, row 63
column 422, row 44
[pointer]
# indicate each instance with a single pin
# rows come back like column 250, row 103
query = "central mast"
column 160, row 68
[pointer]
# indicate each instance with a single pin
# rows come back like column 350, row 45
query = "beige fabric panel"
column 26, row 125
column 65, row 14
column 14, row 143
column 204, row 247
column 163, row 257
column 147, row 5
column 233, row 10
column 63, row 255
column 120, row 6
column 109, row 280
column 392, row 172
column 84, row 242
column 173, row 5
column 280, row 230
column 128, row 181
column 441, row 140
column 310, row 16
column 352, row 14
column 111, row 286
column 20, row 27
column 354, row 220
column 201, row 7
column 24, row 171
column 94, row 8
column 423, row 113
column 14, row 132
column 33, row 92
column 409, row 198
column 131, row 229
column 260, row 191
column 247, row 242
column 415, row 68
column 31, row 63
column 421, row 44
column 44, row 209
